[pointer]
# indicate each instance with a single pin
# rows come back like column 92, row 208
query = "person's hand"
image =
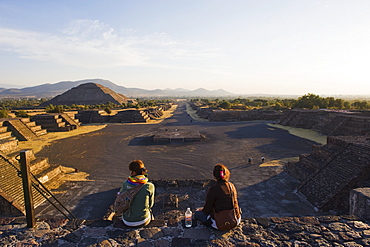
column 199, row 209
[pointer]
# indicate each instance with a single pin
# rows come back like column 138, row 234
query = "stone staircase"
column 355, row 125
column 11, row 188
column 286, row 118
column 334, row 125
column 329, row 173
column 56, row 122
column 155, row 112
column 23, row 129
column 70, row 120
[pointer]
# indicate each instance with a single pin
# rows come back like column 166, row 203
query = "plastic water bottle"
column 188, row 217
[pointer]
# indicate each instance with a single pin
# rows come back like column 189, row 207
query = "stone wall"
column 336, row 123
column 216, row 114
column 360, row 203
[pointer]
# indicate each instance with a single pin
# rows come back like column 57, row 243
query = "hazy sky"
column 242, row 46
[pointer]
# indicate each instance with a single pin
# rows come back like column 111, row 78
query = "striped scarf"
column 136, row 180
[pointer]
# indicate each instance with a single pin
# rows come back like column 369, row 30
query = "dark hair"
column 221, row 172
column 138, row 167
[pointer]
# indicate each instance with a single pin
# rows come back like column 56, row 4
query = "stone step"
column 41, row 132
column 39, row 165
column 30, row 124
column 5, row 135
column 3, row 128
column 49, row 174
column 35, row 128
column 9, row 145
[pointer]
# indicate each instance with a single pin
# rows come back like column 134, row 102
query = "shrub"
column 108, row 110
column 21, row 113
column 4, row 113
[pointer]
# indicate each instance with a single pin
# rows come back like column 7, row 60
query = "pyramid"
column 87, row 94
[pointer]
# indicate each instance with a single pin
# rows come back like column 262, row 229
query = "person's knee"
column 199, row 215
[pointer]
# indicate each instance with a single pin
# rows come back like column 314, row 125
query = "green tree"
column 225, row 104
column 4, row 113
column 54, row 109
column 309, row 101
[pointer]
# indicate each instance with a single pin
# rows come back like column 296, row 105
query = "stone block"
column 197, row 233
column 360, row 203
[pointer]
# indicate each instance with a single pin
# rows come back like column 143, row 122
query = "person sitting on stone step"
column 220, row 196
column 139, row 214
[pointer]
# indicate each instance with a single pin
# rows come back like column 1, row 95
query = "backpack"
column 123, row 200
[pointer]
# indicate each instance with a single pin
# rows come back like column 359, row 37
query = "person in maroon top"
column 219, row 197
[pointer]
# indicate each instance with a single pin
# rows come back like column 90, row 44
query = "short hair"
column 221, row 172
column 138, row 167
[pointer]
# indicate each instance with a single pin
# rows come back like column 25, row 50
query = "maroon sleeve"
column 210, row 201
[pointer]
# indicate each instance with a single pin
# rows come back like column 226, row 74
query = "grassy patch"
column 303, row 133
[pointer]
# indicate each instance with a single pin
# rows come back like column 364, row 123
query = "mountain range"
column 50, row 90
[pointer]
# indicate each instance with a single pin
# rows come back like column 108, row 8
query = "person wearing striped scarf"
column 139, row 214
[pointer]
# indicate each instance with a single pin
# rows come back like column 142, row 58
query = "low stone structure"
column 330, row 172
column 122, row 116
column 218, row 114
column 21, row 128
column 247, row 115
column 177, row 135
column 56, row 121
column 130, row 116
column 329, row 122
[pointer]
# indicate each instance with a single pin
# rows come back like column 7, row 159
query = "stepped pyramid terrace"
column 88, row 94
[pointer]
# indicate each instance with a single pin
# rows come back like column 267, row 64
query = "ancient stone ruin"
column 177, row 135
column 88, row 94
column 57, row 121
column 21, row 128
column 330, row 172
column 11, row 189
column 220, row 115
column 123, row 116
column 328, row 122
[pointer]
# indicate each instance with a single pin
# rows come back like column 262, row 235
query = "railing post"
column 26, row 179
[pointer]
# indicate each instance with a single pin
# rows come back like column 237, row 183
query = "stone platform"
column 176, row 135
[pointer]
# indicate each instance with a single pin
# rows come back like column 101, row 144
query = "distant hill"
column 49, row 90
